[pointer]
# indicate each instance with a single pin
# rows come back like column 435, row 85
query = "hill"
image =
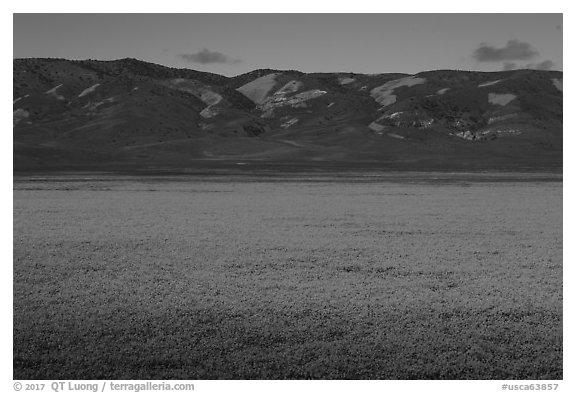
column 129, row 114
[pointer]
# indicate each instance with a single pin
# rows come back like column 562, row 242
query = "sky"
column 231, row 44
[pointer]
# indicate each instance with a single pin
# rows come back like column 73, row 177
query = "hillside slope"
column 131, row 114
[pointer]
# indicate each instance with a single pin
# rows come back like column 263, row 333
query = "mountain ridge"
column 128, row 113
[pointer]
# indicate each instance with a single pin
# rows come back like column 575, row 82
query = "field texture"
column 209, row 278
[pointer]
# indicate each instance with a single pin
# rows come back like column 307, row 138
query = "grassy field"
column 241, row 278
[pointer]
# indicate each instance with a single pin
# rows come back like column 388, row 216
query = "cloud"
column 206, row 56
column 513, row 50
column 545, row 65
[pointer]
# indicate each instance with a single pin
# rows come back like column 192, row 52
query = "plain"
column 429, row 276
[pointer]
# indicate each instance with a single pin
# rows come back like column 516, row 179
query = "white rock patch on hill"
column 496, row 119
column 489, row 83
column 200, row 91
column 19, row 98
column 290, row 87
column 377, row 128
column 500, row 99
column 290, row 122
column 345, row 81
column 557, row 83
column 92, row 106
column 53, row 92
column 211, row 99
column 383, row 94
column 89, row 90
column 258, row 89
column 19, row 114
column 279, row 99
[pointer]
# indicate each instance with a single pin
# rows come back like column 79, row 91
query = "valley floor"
column 402, row 276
